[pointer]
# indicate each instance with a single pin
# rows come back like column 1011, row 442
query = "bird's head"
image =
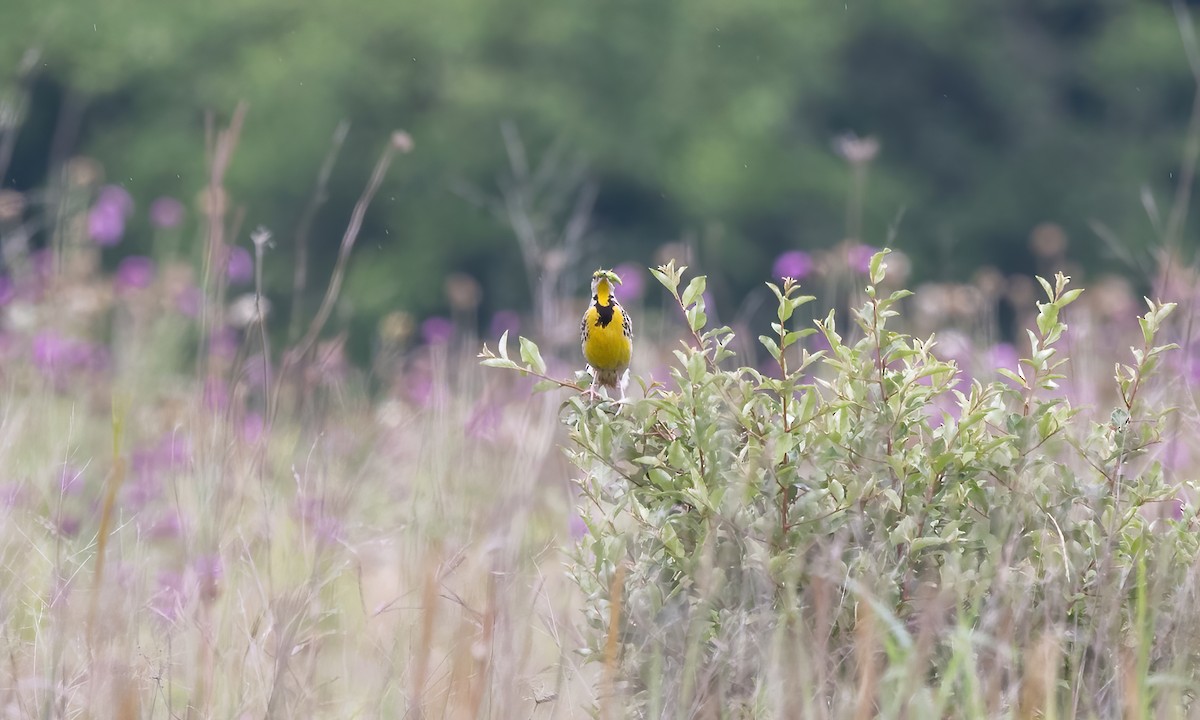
column 603, row 282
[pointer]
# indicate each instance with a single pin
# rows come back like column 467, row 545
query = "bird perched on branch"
column 607, row 335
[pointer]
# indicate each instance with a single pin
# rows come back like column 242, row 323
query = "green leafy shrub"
column 859, row 532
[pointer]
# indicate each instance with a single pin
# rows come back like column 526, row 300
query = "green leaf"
column 700, row 491
column 1046, row 287
column 499, row 363
column 678, row 456
column 1069, row 297
column 778, row 293
column 671, row 542
column 801, row 300
column 1012, row 376
column 923, row 542
column 837, row 491
column 1047, row 318
column 532, row 356
column 502, row 348
column 771, row 346
column 665, row 280
column 904, row 530
column 793, row 336
column 876, row 270
column 786, row 308
column 1046, row 425
column 544, row 385
column 694, row 290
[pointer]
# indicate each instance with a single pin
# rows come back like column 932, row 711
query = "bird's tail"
column 615, row 379
column 607, row 378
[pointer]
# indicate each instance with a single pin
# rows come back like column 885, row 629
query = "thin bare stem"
column 261, row 238
column 319, row 197
column 220, row 153
column 349, row 238
column 530, row 204
column 12, row 115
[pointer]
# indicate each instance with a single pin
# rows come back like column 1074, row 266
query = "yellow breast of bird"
column 605, row 345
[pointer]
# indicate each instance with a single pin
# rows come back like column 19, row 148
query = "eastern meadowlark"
column 607, row 334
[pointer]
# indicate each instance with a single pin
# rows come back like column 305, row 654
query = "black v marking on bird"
column 604, row 313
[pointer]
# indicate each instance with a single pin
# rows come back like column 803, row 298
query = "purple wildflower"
column 70, row 480
column 135, row 273
column 795, row 264
column 188, row 301
column 106, row 219
column 167, row 601
column 437, row 330
column 504, row 321
column 223, row 343
column 170, row 452
column 858, row 257
column 216, row 394
column 116, row 197
column 7, row 290
column 166, row 212
column 68, row 524
column 166, row 526
column 421, row 389
column 105, row 225
column 314, row 514
column 577, row 527
column 256, row 371
column 633, row 280
column 141, row 490
column 209, row 572
column 239, row 267
column 54, row 353
column 177, row 449
column 253, row 426
column 143, row 461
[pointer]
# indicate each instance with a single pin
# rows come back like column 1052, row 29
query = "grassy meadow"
column 858, row 522
column 191, row 529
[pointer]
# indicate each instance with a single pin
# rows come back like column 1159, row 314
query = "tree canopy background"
column 705, row 117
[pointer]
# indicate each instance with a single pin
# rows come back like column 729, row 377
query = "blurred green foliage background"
column 706, row 117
